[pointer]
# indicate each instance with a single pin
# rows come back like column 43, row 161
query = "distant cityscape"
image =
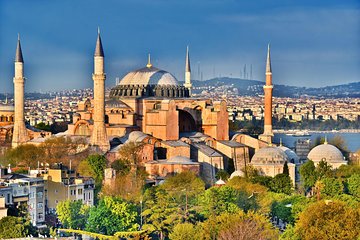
column 57, row 107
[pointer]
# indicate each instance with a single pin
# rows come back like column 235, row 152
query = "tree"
column 323, row 169
column 339, row 142
column 13, row 227
column 126, row 186
column 308, row 174
column 112, row 215
column 237, row 226
column 328, row 220
column 130, row 153
column 289, row 208
column 353, row 185
column 222, row 174
column 332, row 187
column 57, row 149
column 217, row 200
column 183, row 231
column 72, row 214
column 97, row 165
column 161, row 212
column 286, row 168
column 183, row 187
column 281, row 183
column 26, row 154
column 84, row 169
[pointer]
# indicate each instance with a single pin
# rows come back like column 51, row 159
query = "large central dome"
column 149, row 82
column 149, row 76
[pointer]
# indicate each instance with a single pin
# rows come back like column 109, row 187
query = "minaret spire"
column 268, row 60
column 187, row 83
column 99, row 135
column 149, row 65
column 18, row 54
column 99, row 52
column 268, row 89
column 187, row 61
column 20, row 134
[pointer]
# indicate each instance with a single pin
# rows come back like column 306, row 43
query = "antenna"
column 250, row 71
column 245, row 77
column 198, row 69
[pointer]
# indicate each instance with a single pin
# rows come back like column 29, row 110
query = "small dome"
column 326, row 152
column 137, row 136
column 293, row 158
column 149, row 76
column 269, row 155
column 220, row 182
column 237, row 173
column 180, row 159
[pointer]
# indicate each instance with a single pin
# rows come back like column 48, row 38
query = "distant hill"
column 255, row 87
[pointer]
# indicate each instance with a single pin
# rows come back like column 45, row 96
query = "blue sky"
column 313, row 43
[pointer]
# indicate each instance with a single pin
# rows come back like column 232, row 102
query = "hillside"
column 254, row 87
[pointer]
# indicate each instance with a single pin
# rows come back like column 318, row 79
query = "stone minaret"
column 20, row 133
column 187, row 83
column 99, row 136
column 268, row 88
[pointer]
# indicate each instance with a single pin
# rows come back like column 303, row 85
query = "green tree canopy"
column 183, row 231
column 72, row 214
column 183, row 187
column 332, row 186
column 281, row 183
column 112, row 215
column 217, row 200
column 13, row 227
column 308, row 174
column 97, row 164
column 353, row 184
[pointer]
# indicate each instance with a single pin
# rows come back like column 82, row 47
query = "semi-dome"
column 293, row 157
column 237, row 173
column 326, row 152
column 269, row 155
column 149, row 76
column 137, row 136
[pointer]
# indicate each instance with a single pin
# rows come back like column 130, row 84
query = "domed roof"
column 180, row 160
column 269, row 155
column 326, row 152
column 290, row 153
column 149, row 76
column 136, row 136
column 237, row 173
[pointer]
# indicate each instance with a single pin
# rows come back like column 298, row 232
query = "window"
column 80, row 191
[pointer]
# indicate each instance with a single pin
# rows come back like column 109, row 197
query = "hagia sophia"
column 178, row 131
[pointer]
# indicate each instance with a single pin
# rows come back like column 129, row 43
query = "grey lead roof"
column 268, row 60
column 18, row 55
column 232, row 144
column 187, row 61
column 177, row 143
column 99, row 52
column 208, row 151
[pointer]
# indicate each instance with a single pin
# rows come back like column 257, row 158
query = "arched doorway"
column 186, row 122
